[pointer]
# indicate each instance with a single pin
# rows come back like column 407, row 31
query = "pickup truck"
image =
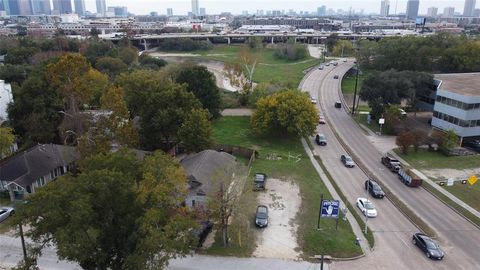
column 409, row 178
column 392, row 164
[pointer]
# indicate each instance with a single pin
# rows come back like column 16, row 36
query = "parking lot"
column 279, row 238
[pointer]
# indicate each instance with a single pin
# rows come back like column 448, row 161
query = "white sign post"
column 381, row 121
column 450, row 182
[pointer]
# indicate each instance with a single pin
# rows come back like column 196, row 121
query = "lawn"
column 268, row 69
column 348, row 83
column 424, row 159
column 340, row 243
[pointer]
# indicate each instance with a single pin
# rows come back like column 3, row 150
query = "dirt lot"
column 279, row 238
column 451, row 173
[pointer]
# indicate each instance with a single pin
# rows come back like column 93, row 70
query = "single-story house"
column 26, row 171
column 205, row 171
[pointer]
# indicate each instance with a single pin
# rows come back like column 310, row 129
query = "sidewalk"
column 353, row 222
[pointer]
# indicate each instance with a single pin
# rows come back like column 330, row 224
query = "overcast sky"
column 237, row 6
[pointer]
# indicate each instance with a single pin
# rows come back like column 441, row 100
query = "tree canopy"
column 288, row 111
column 117, row 213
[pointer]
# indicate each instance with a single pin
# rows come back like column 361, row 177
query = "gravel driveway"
column 279, row 238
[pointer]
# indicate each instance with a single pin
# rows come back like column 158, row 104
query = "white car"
column 313, row 100
column 5, row 212
column 367, row 207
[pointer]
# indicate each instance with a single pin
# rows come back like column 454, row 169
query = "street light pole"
column 366, row 215
column 355, row 92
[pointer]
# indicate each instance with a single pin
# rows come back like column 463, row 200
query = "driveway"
column 279, row 238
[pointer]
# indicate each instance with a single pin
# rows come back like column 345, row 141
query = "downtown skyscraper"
column 79, row 7
column 384, row 8
column 101, row 7
column 62, row 6
column 469, row 8
column 195, row 8
column 412, row 9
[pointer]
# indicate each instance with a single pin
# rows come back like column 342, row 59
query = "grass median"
column 337, row 243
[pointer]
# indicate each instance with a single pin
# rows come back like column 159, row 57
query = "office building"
column 169, row 11
column 25, row 7
column 412, row 9
column 432, row 12
column 101, row 7
column 260, row 12
column 322, row 11
column 62, row 6
column 476, row 13
column 195, row 8
column 79, row 7
column 40, row 7
column 118, row 11
column 203, row 12
column 457, row 103
column 11, row 7
column 384, row 8
column 448, row 12
column 469, row 8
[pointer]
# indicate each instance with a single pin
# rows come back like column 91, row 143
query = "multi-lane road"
column 392, row 230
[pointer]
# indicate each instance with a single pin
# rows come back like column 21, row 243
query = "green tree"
column 202, row 84
column 115, row 214
column 288, row 112
column 147, row 61
column 34, row 115
column 110, row 66
column 449, row 140
column 196, row 131
column 21, row 55
column 6, row 140
column 343, row 48
column 129, row 55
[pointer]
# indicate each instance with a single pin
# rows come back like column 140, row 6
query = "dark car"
column 427, row 245
column 374, row 189
column 320, row 139
column 261, row 216
column 472, row 144
column 259, row 181
column 338, row 104
column 335, row 77
column 347, row 161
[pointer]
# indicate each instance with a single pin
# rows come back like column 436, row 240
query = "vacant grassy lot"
column 424, row 159
column 269, row 68
column 348, row 82
column 340, row 243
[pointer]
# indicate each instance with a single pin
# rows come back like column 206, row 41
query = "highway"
column 459, row 239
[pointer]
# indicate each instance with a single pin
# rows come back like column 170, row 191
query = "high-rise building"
column 79, row 7
column 322, row 11
column 412, row 9
column 260, row 12
column 432, row 12
column 101, row 7
column 11, row 7
column 41, row 7
column 169, row 11
column 203, row 11
column 449, row 12
column 195, row 9
column 62, row 6
column 118, row 11
column 25, row 7
column 469, row 8
column 384, row 8
column 476, row 13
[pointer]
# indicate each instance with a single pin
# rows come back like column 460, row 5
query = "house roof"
column 467, row 84
column 206, row 167
column 26, row 167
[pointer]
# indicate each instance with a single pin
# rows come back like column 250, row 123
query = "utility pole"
column 320, row 212
column 355, row 91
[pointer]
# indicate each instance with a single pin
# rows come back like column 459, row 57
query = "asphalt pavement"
column 392, row 229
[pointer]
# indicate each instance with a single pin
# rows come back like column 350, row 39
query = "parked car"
column 427, row 245
column 367, row 207
column 320, row 139
column 374, row 189
column 313, row 100
column 403, row 113
column 6, row 212
column 261, row 216
column 259, row 181
column 472, row 144
column 347, row 161
column 321, row 120
column 335, row 76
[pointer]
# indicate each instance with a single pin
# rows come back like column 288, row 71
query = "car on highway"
column 261, row 216
column 6, row 212
column 327, row 64
column 321, row 120
column 367, row 207
column 344, row 60
column 335, row 77
column 427, row 245
column 338, row 104
column 335, row 64
column 374, row 189
column 320, row 139
column 347, row 161
column 320, row 67
column 313, row 100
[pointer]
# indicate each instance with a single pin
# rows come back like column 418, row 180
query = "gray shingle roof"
column 206, row 167
column 26, row 167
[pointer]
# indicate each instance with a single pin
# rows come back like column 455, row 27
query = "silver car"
column 347, row 161
column 6, row 212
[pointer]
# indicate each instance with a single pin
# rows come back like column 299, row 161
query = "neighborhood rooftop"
column 461, row 83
